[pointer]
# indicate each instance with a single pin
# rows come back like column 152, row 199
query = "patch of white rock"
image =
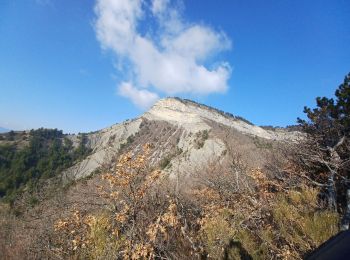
column 192, row 118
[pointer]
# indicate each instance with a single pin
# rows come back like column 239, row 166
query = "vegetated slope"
column 205, row 183
column 26, row 157
column 185, row 135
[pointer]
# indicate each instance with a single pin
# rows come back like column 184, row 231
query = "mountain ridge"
column 163, row 108
column 174, row 124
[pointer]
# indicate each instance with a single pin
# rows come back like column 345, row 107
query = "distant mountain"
column 4, row 130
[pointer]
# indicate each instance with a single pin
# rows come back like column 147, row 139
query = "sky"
column 81, row 66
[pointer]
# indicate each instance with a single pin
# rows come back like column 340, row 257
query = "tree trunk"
column 346, row 218
column 333, row 167
column 332, row 200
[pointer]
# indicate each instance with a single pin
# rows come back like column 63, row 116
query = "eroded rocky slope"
column 185, row 135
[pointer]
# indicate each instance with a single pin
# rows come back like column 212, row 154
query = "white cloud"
column 197, row 42
column 159, row 6
column 116, row 23
column 140, row 97
column 170, row 58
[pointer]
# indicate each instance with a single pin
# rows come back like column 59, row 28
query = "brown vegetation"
column 225, row 213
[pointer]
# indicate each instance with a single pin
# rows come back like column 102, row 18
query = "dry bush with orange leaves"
column 225, row 213
column 267, row 219
column 144, row 219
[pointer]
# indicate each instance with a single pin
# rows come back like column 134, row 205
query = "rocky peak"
column 179, row 122
column 193, row 117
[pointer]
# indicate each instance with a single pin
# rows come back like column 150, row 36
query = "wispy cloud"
column 169, row 58
column 140, row 97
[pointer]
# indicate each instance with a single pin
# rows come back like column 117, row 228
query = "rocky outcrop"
column 189, row 143
column 104, row 144
column 192, row 117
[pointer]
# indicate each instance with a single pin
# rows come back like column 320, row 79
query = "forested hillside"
column 26, row 157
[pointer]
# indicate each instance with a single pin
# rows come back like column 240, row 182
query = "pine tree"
column 328, row 146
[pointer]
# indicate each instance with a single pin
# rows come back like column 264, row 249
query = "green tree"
column 327, row 148
column 47, row 154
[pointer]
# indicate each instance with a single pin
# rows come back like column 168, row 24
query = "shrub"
column 201, row 137
column 301, row 220
column 164, row 163
column 213, row 219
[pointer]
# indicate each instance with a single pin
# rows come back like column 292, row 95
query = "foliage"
column 86, row 236
column 330, row 120
column 141, row 222
column 166, row 160
column 298, row 217
column 82, row 150
column 46, row 155
column 324, row 154
column 146, row 218
column 129, row 141
column 201, row 137
column 266, row 224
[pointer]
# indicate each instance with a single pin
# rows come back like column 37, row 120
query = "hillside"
column 173, row 125
column 185, row 134
column 182, row 181
column 27, row 157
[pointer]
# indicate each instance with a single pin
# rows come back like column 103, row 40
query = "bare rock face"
column 186, row 134
column 104, row 144
column 178, row 113
column 192, row 117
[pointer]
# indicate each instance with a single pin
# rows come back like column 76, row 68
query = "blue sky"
column 64, row 65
